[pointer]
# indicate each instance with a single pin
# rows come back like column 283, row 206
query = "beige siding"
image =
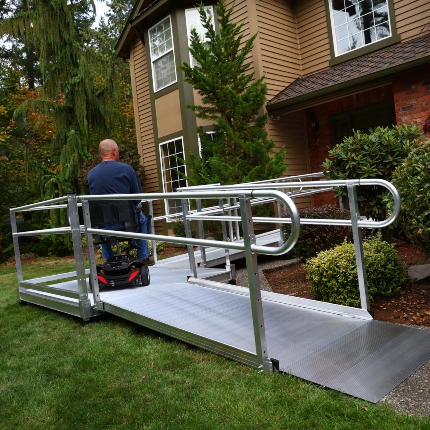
column 143, row 117
column 313, row 35
column 411, row 17
column 278, row 44
column 289, row 132
column 241, row 15
column 198, row 102
column 168, row 112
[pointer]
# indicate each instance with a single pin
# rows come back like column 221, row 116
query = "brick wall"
column 412, row 96
column 320, row 142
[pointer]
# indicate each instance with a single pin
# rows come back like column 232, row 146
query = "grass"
column 56, row 373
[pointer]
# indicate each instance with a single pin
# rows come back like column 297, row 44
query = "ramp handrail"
column 286, row 200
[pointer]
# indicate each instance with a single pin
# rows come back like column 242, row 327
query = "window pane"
column 355, row 41
column 338, row 4
column 342, row 31
column 164, row 71
column 381, row 15
column 382, row 31
column 370, row 35
column 339, row 18
column 351, row 13
column 354, row 27
column 343, row 46
column 379, row 3
column 368, row 21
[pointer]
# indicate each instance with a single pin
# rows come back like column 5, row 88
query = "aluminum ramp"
column 333, row 348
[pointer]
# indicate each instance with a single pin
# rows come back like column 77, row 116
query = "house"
column 331, row 66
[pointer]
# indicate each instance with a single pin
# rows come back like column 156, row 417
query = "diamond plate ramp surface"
column 363, row 358
column 366, row 359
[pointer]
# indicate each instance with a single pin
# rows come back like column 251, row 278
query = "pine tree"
column 239, row 150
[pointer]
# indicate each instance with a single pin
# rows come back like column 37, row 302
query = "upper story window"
column 192, row 17
column 162, row 55
column 357, row 23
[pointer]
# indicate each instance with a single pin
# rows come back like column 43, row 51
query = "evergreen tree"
column 239, row 150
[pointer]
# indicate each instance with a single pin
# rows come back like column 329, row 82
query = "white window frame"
column 200, row 142
column 190, row 27
column 165, row 182
column 334, row 27
column 154, row 58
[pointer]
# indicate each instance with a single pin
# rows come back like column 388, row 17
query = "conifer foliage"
column 239, row 150
column 69, row 92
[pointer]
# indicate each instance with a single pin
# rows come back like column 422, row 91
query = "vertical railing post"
column 188, row 234
column 151, row 228
column 237, row 222
column 201, row 232
column 16, row 249
column 254, row 285
column 230, row 223
column 91, row 255
column 73, row 216
column 358, row 245
column 224, row 235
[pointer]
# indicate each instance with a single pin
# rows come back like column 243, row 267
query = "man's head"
column 108, row 150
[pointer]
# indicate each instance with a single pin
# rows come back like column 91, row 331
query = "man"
column 112, row 177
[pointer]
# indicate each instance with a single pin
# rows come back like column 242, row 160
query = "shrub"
column 370, row 155
column 317, row 238
column 179, row 229
column 334, row 272
column 159, row 246
column 41, row 246
column 412, row 180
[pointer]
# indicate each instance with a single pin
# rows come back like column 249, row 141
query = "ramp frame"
column 69, row 292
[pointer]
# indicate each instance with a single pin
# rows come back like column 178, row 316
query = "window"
column 210, row 134
column 162, row 56
column 357, row 23
column 380, row 114
column 171, row 155
column 192, row 17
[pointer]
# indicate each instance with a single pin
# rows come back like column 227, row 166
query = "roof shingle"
column 368, row 64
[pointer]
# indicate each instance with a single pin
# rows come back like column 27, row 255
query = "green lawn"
column 56, row 373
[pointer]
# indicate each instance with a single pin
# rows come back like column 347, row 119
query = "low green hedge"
column 334, row 272
column 412, row 180
column 317, row 238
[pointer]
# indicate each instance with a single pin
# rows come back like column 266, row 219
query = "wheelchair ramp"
column 330, row 347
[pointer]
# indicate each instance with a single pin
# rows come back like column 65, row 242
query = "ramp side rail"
column 356, row 222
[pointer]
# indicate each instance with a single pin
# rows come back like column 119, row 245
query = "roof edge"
column 124, row 38
column 348, row 84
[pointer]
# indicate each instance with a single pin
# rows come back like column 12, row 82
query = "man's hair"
column 106, row 146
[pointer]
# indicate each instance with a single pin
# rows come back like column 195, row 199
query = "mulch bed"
column 411, row 306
